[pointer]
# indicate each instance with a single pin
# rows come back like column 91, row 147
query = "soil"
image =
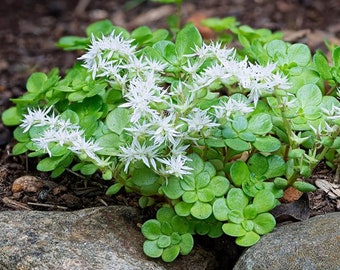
column 29, row 30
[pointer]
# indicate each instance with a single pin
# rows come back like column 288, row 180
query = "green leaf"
column 183, row 208
column 175, row 238
column 250, row 211
column 237, row 144
column 190, row 196
column 151, row 249
column 232, row 229
column 187, row 244
column 117, row 120
column 260, row 124
column 247, row 240
column 35, row 82
column 264, row 223
column 113, row 189
column 322, row 65
column 151, row 229
column 280, row 183
column 267, row 144
column 49, row 163
column 166, row 228
column 144, row 176
column 205, row 195
column 19, row 148
column 201, row 210
column 258, row 164
column 99, row 28
column 173, row 188
column 264, row 201
column 165, row 214
column 219, row 185
column 309, row 95
column 180, row 224
column 11, row 117
column 164, row 241
column 239, row 172
column 170, row 253
column 196, row 163
column 202, row 179
column 88, row 169
column 276, row 166
column 240, row 123
column 336, row 57
column 236, row 199
column 299, row 53
column 187, row 40
column 220, row 209
column 304, row 186
column 235, row 216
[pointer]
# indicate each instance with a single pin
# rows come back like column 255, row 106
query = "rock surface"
column 309, row 245
column 96, row 238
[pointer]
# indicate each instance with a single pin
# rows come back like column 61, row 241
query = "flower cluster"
column 56, row 130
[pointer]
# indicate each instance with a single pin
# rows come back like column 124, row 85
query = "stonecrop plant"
column 208, row 134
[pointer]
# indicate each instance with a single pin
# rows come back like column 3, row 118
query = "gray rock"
column 98, row 238
column 313, row 244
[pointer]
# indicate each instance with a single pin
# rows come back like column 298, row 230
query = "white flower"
column 164, row 129
column 35, row 117
column 103, row 49
column 228, row 108
column 137, row 151
column 198, row 120
column 175, row 165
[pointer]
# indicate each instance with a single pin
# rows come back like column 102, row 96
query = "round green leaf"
column 260, row 124
column 248, row 225
column 247, row 240
column 237, row 144
column 264, row 201
column 188, row 182
column 180, row 224
column 172, row 189
column 267, row 144
column 117, row 120
column 164, row 241
column 280, row 183
column 250, row 211
column 299, row 53
column 196, row 163
column 233, row 229
column 190, row 196
column 205, row 195
column 276, row 166
column 220, row 209
column 239, row 173
column 170, row 253
column 183, row 208
column 258, row 164
column 236, row 199
column 264, row 223
column 151, row 229
column 201, row 210
column 240, row 123
column 210, row 169
column 309, row 95
column 151, row 249
column 235, row 216
column 202, row 228
column 166, row 228
column 144, row 176
column 202, row 179
column 11, row 117
column 35, row 82
column 186, row 244
column 175, row 238
column 219, row 185
column 165, row 214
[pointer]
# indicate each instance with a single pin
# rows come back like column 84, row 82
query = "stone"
column 95, row 238
column 313, row 244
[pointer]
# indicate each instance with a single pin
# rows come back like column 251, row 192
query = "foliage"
column 210, row 135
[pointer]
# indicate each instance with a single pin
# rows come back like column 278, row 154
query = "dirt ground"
column 29, row 30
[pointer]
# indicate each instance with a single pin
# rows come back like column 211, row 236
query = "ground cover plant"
column 210, row 134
